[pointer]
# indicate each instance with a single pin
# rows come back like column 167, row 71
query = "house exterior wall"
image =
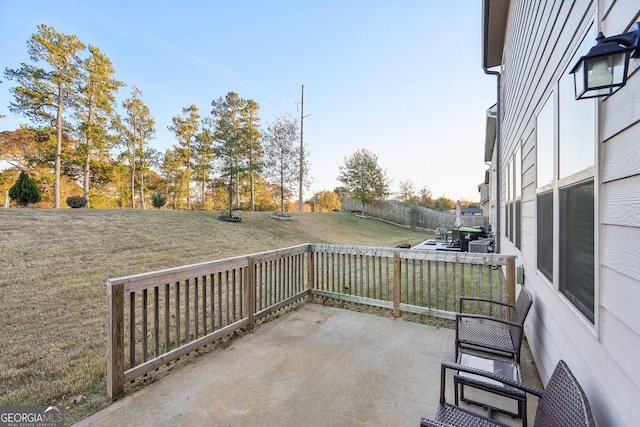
column 542, row 39
column 483, row 189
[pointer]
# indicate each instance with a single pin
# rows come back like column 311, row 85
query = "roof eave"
column 490, row 133
column 494, row 26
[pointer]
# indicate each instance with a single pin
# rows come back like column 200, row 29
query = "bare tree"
column 282, row 155
column 407, row 191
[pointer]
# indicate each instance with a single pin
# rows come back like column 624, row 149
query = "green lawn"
column 55, row 264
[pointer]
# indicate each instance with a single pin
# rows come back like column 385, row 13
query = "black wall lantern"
column 603, row 70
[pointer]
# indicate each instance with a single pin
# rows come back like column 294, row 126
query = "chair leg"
column 443, row 374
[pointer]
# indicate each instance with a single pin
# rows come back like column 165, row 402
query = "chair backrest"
column 518, row 315
column 563, row 402
column 441, row 233
column 522, row 306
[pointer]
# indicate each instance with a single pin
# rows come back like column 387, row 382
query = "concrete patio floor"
column 316, row 366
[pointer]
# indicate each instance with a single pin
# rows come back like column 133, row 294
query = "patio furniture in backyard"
column 505, row 368
column 442, row 234
column 489, row 334
column 562, row 403
column 455, row 238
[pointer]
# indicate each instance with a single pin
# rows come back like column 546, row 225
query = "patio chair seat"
column 450, row 415
column 491, row 335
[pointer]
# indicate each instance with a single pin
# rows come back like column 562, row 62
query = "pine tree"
column 135, row 131
column 43, row 95
column 231, row 147
column 25, row 190
column 96, row 103
column 186, row 129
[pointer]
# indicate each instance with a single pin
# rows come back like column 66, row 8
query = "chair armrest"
column 490, row 301
column 507, row 381
column 486, row 318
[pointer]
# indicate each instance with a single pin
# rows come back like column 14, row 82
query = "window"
column 544, row 145
column 544, row 194
column 576, row 246
column 544, row 239
column 565, row 191
column 517, row 192
column 576, row 197
column 576, row 129
column 507, row 214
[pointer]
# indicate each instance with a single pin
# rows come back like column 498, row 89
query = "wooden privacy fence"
column 156, row 318
column 412, row 215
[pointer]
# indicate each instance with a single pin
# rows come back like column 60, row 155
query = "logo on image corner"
column 31, row 416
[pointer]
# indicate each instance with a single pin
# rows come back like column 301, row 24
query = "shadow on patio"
column 316, row 366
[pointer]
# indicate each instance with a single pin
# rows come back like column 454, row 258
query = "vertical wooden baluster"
column 132, row 328
column 227, row 297
column 429, row 300
column 219, row 299
column 241, row 274
column 156, row 321
column 204, row 305
column 167, row 319
column 438, row 304
column 144, row 326
column 177, row 314
column 187, row 326
column 196, row 317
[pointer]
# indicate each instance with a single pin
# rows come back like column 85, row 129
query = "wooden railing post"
column 397, row 280
column 511, row 283
column 249, row 292
column 310, row 273
column 115, row 340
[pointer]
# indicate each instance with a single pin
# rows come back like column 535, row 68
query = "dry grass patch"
column 55, row 264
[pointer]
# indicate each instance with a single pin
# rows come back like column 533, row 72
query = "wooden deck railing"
column 423, row 282
column 156, row 318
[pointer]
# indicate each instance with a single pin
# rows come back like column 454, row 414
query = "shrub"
column 76, row 201
column 158, row 200
column 25, row 190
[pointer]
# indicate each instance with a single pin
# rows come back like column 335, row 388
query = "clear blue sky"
column 401, row 78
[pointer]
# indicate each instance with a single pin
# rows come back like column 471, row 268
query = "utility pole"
column 302, row 117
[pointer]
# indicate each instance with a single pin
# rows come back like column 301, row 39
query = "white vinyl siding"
column 600, row 340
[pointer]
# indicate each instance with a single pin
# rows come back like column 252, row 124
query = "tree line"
column 366, row 181
column 79, row 141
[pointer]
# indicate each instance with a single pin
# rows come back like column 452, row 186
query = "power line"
column 171, row 50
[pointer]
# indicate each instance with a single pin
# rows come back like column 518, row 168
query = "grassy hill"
column 55, row 264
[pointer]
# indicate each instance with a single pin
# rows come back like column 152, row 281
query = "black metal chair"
column 562, row 403
column 490, row 334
